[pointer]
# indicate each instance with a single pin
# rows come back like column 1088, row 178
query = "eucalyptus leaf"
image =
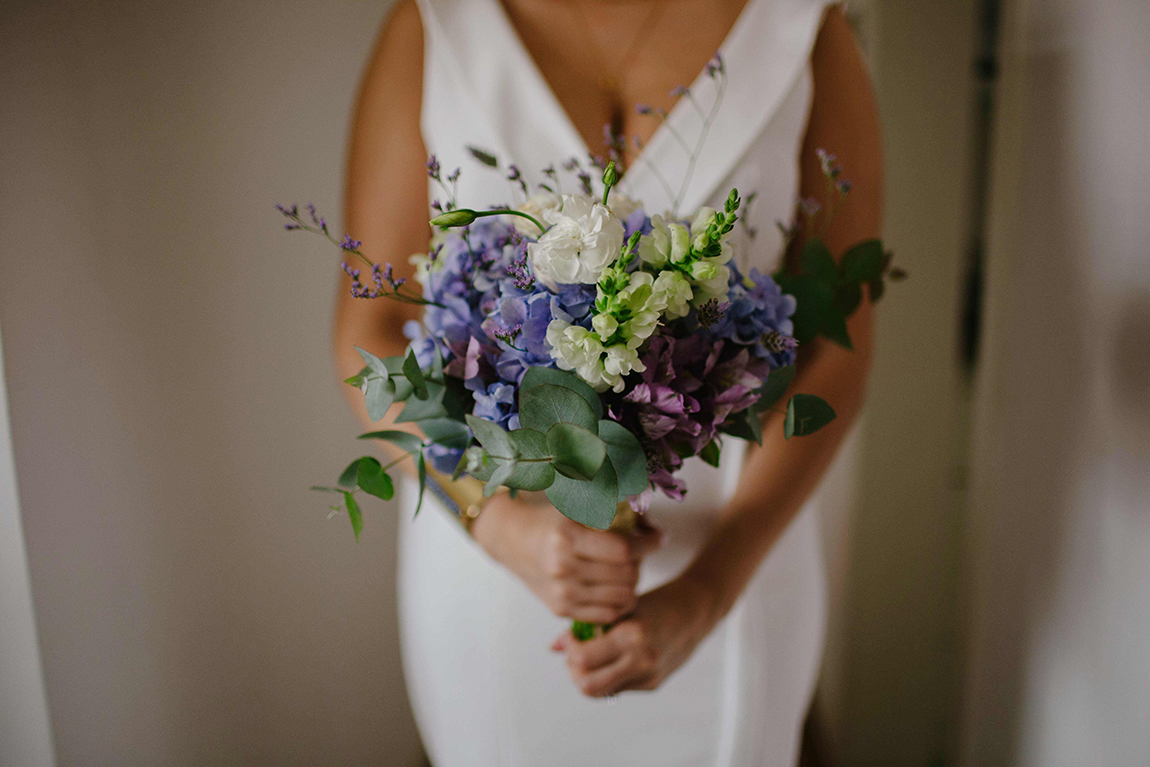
column 814, row 298
column 414, row 375
column 421, row 475
column 409, row 443
column 590, row 503
column 492, row 436
column 373, row 480
column 835, row 328
column 626, row 456
column 848, row 297
column 817, row 262
column 545, row 405
column 359, row 379
column 863, row 262
column 420, row 409
column 877, row 288
column 502, row 473
column 576, row 452
column 710, row 453
column 457, row 399
column 373, row 362
column 806, row 414
column 354, row 514
column 378, row 397
column 744, row 425
column 347, row 478
column 447, row 432
column 776, row 385
column 534, row 471
column 538, row 375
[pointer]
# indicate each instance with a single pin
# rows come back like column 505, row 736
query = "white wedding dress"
column 485, row 688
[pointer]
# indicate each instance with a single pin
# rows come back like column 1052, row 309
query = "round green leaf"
column 537, row 376
column 547, row 404
column 806, row 414
column 626, row 456
column 576, row 452
column 372, row 479
column 590, row 503
column 492, row 436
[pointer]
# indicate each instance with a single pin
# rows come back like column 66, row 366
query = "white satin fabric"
column 485, row 688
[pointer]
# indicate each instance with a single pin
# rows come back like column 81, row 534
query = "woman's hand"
column 580, row 573
column 643, row 650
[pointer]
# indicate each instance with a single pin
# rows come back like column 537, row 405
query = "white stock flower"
column 712, row 280
column 674, row 291
column 605, row 325
column 699, row 224
column 583, row 240
column 666, row 242
column 537, row 205
column 578, row 349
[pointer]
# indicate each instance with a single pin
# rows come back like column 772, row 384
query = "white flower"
column 537, row 205
column 605, row 325
column 666, row 242
column 622, row 205
column 583, row 240
column 713, row 282
column 674, row 291
column 578, row 349
column 699, row 224
column 621, row 360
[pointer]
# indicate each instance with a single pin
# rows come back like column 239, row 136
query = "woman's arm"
column 577, row 572
column 780, row 476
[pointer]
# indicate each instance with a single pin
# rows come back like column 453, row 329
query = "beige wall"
column 170, row 384
column 889, row 693
column 1059, row 669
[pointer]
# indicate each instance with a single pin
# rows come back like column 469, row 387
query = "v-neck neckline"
column 639, row 170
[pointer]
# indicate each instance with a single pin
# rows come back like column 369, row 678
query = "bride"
column 718, row 602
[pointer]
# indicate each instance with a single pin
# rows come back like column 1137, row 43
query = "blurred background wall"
column 166, row 354
column 171, row 387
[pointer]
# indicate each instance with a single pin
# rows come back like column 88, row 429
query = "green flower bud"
column 610, row 175
column 458, row 217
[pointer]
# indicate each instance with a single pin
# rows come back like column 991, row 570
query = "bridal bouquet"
column 583, row 346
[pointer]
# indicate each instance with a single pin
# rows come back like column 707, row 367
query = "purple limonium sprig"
column 449, row 185
column 347, row 244
column 515, row 176
column 574, row 166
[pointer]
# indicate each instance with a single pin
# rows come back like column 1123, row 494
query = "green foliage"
column 744, row 425
column 421, row 473
column 492, row 436
column 374, row 363
column 575, row 452
column 710, row 453
column 534, row 470
column 814, row 298
column 409, row 443
column 863, row 262
column 373, row 480
column 447, row 432
column 536, row 376
column 806, row 414
column 816, row 261
column 414, row 375
column 348, row 477
column 582, row 630
column 354, row 514
column 545, row 405
column 627, row 456
column 419, row 409
column 590, row 503
column 773, row 389
column 484, row 157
